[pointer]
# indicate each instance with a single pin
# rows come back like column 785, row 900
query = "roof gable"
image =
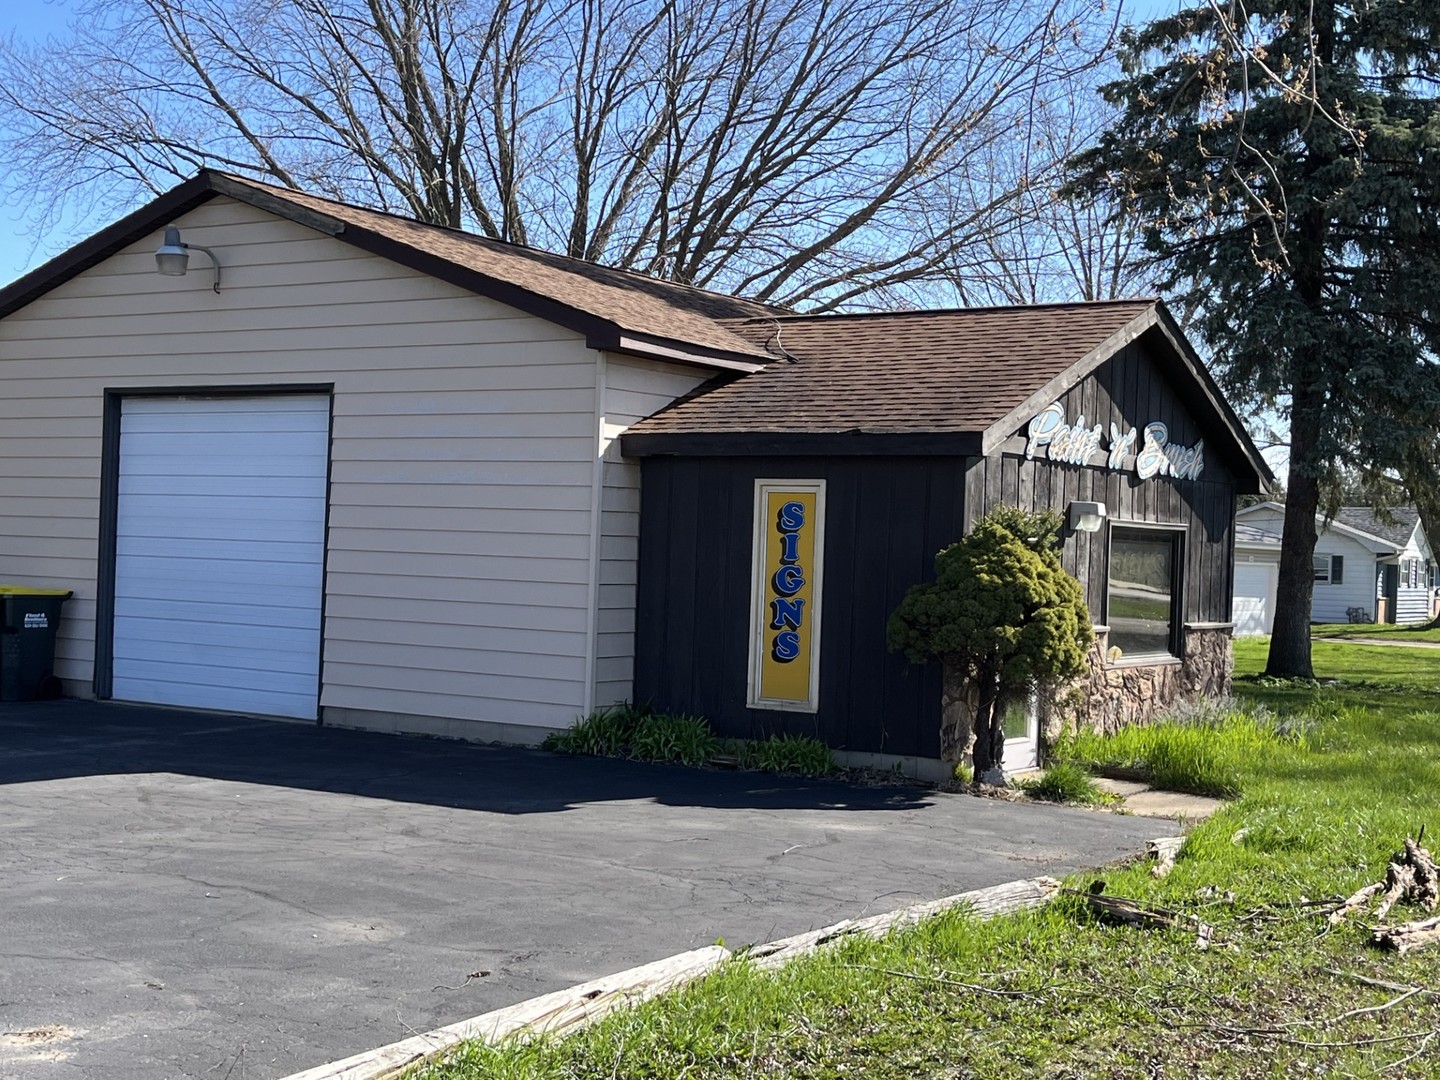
column 616, row 310
column 959, row 381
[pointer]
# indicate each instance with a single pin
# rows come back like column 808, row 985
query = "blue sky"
column 35, row 19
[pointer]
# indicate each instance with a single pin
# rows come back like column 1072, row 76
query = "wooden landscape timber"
column 573, row 1008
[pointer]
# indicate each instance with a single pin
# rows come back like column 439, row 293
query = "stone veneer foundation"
column 1115, row 695
column 1112, row 696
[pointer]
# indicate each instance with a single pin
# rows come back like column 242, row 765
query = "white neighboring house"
column 1366, row 569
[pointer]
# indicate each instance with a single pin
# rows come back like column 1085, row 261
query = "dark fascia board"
column 178, row 200
column 599, row 333
column 804, row 444
column 1253, row 478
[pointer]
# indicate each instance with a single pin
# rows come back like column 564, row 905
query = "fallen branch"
column 1408, row 993
column 1381, row 984
column 1164, row 850
column 1424, row 1045
column 1356, row 901
column 1133, row 913
column 1407, row 936
column 1411, row 878
column 1278, row 1035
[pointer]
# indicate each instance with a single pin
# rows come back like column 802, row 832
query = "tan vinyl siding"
column 462, row 457
column 634, row 389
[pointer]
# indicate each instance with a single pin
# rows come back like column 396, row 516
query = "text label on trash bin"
column 37, row 621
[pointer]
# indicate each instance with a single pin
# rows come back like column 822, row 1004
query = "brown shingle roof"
column 927, row 371
column 634, row 302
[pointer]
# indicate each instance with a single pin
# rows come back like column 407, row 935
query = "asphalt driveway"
column 188, row 895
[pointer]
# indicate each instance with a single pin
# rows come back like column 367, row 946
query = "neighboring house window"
column 1337, row 569
column 1322, row 569
column 1142, row 596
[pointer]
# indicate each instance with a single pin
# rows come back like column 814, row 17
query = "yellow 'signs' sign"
column 785, row 609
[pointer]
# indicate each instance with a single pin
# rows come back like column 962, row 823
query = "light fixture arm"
column 172, row 258
column 213, row 262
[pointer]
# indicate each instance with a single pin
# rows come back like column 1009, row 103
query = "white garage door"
column 220, row 551
column 1254, row 610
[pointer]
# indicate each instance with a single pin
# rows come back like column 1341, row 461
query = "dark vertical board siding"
column 906, row 563
column 653, row 554
column 885, row 520
column 683, row 612
column 1129, row 391
column 839, row 612
column 886, row 517
column 873, row 501
column 725, row 512
column 974, row 490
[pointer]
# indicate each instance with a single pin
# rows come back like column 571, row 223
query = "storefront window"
column 1142, row 595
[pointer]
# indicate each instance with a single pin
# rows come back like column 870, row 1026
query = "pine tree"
column 1283, row 158
column 1003, row 613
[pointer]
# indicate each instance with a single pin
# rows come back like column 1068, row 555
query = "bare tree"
column 799, row 151
column 1039, row 243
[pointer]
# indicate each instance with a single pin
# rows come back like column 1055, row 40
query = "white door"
column 220, row 552
column 1022, row 735
column 1254, row 608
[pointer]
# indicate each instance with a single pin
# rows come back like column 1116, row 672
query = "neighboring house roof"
column 615, row 309
column 1357, row 522
column 959, row 380
column 1255, row 537
column 1397, row 530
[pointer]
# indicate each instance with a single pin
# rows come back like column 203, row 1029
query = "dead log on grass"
column 1129, row 912
column 1407, row 936
column 1410, row 878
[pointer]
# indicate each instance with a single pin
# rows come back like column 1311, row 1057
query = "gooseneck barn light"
column 172, row 258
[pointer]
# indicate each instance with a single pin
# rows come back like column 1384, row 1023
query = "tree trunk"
column 1290, row 638
column 1295, row 590
column 986, row 700
column 957, row 714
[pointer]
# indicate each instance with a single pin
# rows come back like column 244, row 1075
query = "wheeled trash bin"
column 29, row 619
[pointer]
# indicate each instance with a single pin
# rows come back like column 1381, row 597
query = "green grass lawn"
column 1055, row 993
column 1381, row 631
column 1390, row 670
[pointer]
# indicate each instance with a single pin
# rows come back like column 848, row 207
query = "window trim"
column 1180, row 535
column 1319, row 576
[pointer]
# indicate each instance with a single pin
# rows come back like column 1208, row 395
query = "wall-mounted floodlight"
column 1087, row 516
column 172, row 258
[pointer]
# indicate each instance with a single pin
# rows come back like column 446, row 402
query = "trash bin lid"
column 26, row 590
